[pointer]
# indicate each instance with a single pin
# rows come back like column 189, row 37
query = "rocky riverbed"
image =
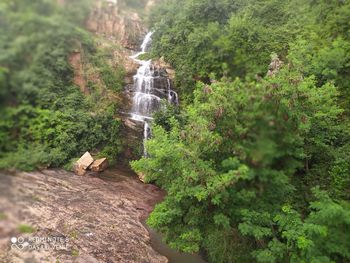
column 94, row 218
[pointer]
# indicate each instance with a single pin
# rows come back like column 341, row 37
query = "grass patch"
column 146, row 56
column 69, row 166
column 35, row 198
column 73, row 235
column 23, row 228
column 3, row 216
column 75, row 253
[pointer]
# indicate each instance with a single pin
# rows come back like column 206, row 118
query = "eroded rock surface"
column 107, row 19
column 75, row 60
column 101, row 216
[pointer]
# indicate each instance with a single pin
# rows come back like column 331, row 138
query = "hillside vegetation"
column 256, row 166
column 45, row 119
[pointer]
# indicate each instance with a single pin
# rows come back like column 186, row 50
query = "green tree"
column 238, row 158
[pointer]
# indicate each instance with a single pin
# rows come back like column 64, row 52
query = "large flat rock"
column 100, row 217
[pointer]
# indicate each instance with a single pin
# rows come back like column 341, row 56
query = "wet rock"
column 131, row 124
column 162, row 83
column 99, row 165
column 160, row 63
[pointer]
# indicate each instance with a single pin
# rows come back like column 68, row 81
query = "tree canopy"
column 255, row 165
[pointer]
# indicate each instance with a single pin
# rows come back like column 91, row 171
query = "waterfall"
column 151, row 85
column 146, row 135
column 146, row 42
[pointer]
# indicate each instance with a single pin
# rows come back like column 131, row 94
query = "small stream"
column 173, row 255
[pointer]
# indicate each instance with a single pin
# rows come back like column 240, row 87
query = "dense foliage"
column 204, row 39
column 256, row 166
column 45, row 119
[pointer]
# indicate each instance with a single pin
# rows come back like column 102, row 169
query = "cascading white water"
column 146, row 42
column 149, row 88
column 146, row 135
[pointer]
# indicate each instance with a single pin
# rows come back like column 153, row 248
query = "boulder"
column 141, row 177
column 82, row 164
column 85, row 161
column 99, row 165
column 79, row 170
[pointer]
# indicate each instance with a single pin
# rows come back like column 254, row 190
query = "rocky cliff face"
column 75, row 60
column 119, row 31
column 122, row 27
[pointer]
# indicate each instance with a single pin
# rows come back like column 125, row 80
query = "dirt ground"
column 56, row 216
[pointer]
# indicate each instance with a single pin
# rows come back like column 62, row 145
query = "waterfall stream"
column 151, row 85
